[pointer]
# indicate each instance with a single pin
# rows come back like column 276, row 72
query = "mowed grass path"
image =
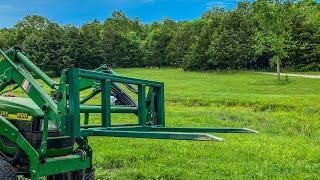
column 287, row 115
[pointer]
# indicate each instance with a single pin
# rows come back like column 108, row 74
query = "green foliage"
column 304, row 52
column 121, row 41
column 231, row 43
column 196, row 58
column 7, row 38
column 45, row 48
column 29, row 25
column 272, row 34
column 156, row 42
column 252, row 36
column 182, row 40
column 89, row 46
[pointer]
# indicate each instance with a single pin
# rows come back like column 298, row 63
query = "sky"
column 77, row 12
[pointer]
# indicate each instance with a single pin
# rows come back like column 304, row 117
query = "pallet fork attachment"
column 149, row 109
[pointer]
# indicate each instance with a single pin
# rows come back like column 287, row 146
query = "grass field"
column 287, row 115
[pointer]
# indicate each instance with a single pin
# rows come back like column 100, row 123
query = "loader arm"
column 13, row 71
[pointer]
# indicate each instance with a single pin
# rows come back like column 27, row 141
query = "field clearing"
column 287, row 115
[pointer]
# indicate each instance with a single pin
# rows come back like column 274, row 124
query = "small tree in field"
column 272, row 35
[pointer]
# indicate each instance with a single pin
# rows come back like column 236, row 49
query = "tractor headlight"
column 51, row 126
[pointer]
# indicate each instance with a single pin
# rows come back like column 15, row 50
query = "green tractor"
column 46, row 134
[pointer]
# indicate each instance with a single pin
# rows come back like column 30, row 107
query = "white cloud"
column 5, row 8
column 221, row 3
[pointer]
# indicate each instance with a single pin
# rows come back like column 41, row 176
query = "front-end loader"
column 46, row 134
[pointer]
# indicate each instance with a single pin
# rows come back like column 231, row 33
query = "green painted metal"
column 7, row 149
column 31, row 67
column 67, row 163
column 59, row 152
column 105, row 103
column 116, row 78
column 149, row 134
column 156, row 89
column 14, row 105
column 74, row 103
column 86, row 118
column 114, row 109
column 160, row 117
column 208, row 130
column 175, row 129
column 64, row 108
column 44, row 140
column 142, row 111
column 20, row 76
column 157, row 132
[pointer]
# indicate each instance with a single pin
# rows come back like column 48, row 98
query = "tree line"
column 257, row 35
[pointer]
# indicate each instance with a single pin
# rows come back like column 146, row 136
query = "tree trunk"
column 278, row 69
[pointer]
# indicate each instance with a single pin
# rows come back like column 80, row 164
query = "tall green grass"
column 287, row 115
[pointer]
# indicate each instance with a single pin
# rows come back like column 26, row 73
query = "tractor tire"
column 87, row 174
column 7, row 172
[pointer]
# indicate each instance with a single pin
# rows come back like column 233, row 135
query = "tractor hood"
column 21, row 108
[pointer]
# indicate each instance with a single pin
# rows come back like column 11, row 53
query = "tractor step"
column 61, row 164
column 58, row 138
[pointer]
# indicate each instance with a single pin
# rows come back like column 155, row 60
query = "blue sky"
column 79, row 11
